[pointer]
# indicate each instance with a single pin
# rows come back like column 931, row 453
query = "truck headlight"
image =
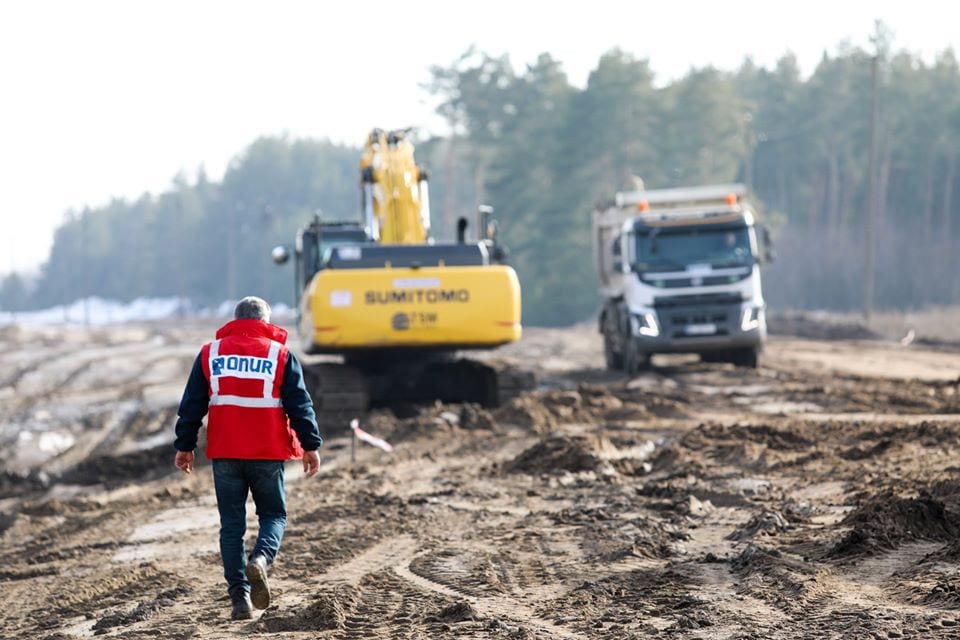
column 750, row 318
column 644, row 324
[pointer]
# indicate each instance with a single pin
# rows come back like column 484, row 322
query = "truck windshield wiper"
column 733, row 262
column 659, row 265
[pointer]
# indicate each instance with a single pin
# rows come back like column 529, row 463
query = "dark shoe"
column 242, row 609
column 257, row 575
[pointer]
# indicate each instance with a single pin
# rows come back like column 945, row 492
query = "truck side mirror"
column 280, row 254
column 617, row 255
column 768, row 253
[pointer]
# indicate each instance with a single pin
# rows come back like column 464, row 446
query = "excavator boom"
column 395, row 193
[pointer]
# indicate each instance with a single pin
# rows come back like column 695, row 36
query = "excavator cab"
column 314, row 247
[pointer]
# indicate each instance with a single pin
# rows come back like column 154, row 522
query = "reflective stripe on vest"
column 243, row 366
column 240, row 401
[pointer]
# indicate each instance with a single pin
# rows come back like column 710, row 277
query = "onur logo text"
column 225, row 365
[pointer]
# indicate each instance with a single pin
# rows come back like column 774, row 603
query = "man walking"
column 260, row 415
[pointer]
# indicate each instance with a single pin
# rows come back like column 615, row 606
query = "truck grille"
column 697, row 300
column 688, row 316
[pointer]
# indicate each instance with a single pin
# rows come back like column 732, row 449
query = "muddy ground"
column 816, row 497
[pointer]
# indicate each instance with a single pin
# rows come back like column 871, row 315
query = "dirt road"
column 816, row 497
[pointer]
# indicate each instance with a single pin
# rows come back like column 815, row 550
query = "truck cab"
column 680, row 273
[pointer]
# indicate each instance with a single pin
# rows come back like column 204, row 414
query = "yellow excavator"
column 398, row 306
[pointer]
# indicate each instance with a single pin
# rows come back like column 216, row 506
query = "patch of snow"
column 94, row 311
column 53, row 442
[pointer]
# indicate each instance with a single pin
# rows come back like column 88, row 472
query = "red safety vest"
column 244, row 369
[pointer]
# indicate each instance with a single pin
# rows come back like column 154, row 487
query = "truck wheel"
column 713, row 356
column 748, row 358
column 614, row 359
column 634, row 360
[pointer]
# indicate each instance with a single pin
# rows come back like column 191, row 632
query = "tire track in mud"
column 870, row 597
column 397, row 555
column 94, row 401
column 490, row 606
column 376, row 613
column 378, row 557
column 57, row 373
column 364, row 599
column 19, row 364
column 76, row 363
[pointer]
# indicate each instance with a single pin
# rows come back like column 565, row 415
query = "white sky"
column 113, row 98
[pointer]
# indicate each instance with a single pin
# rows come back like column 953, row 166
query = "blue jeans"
column 232, row 480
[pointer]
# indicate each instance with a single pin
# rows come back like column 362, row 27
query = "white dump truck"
column 679, row 272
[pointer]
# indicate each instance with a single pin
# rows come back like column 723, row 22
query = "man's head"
column 252, row 308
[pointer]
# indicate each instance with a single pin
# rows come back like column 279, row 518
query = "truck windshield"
column 666, row 249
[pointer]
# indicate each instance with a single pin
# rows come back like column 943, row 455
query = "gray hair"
column 252, row 308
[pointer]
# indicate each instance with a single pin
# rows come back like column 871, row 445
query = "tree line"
column 862, row 151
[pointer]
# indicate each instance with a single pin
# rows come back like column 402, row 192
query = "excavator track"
column 512, row 381
column 339, row 392
column 342, row 392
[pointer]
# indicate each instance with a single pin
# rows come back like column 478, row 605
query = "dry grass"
column 934, row 324
column 942, row 323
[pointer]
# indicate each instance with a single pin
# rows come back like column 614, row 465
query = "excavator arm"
column 395, row 193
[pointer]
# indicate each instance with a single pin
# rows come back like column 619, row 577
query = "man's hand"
column 184, row 461
column 311, row 463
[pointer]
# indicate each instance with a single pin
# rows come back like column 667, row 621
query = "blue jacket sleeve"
column 299, row 406
column 193, row 407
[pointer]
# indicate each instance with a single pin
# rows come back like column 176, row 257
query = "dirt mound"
column 7, row 520
column 837, row 449
column 885, row 521
column 767, row 522
column 440, row 417
column 783, row 580
column 946, row 594
column 754, row 447
column 605, row 536
column 601, row 608
column 143, row 611
column 457, row 612
column 15, row 484
column 672, row 460
column 614, row 404
column 543, row 410
column 559, row 453
column 771, row 437
column 473, row 416
column 328, row 611
column 115, row 470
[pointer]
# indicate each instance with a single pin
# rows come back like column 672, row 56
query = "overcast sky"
column 108, row 99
